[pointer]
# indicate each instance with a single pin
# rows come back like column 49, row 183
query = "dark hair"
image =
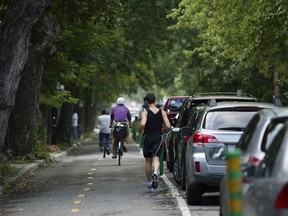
column 103, row 111
column 150, row 98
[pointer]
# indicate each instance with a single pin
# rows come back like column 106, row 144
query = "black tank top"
column 154, row 122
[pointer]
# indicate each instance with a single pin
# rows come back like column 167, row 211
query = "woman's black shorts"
column 152, row 145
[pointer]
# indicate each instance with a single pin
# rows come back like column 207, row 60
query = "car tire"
column 183, row 176
column 194, row 194
column 177, row 171
column 168, row 165
column 171, row 160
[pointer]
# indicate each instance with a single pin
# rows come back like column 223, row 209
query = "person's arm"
column 111, row 119
column 142, row 123
column 166, row 120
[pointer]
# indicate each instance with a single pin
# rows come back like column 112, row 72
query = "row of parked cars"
column 206, row 126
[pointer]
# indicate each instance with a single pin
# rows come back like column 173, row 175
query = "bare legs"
column 152, row 165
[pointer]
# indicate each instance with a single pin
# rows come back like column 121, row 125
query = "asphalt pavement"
column 80, row 182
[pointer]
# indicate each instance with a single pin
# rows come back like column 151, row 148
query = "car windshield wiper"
column 232, row 128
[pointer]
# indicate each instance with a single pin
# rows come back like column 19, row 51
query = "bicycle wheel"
column 104, row 152
column 119, row 151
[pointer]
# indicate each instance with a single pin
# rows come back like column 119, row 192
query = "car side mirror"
column 175, row 130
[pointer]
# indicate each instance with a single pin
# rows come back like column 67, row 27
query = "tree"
column 21, row 138
column 14, row 40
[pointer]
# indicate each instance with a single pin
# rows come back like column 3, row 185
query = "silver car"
column 264, row 125
column 268, row 193
column 218, row 128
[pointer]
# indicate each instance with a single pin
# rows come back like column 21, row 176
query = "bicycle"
column 120, row 133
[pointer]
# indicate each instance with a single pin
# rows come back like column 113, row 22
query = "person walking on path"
column 151, row 122
column 105, row 131
column 120, row 114
column 75, row 126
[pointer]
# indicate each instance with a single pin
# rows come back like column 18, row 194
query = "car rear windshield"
column 176, row 104
column 228, row 120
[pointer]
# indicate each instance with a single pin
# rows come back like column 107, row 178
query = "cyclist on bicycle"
column 119, row 113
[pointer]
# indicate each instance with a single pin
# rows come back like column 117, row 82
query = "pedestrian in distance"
column 151, row 124
column 120, row 114
column 75, row 126
column 105, row 131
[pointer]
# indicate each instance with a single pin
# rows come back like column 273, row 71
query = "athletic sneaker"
column 114, row 156
column 149, row 186
column 154, row 180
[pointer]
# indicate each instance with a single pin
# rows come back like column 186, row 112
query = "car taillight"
column 187, row 139
column 282, row 199
column 200, row 139
column 253, row 160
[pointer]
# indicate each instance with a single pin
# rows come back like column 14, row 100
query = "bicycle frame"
column 120, row 143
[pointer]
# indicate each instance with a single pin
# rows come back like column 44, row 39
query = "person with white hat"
column 120, row 113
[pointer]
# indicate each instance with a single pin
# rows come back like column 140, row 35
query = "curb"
column 29, row 168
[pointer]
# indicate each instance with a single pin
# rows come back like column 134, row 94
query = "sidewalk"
column 25, row 169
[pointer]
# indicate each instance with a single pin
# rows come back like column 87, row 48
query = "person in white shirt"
column 105, row 131
column 75, row 126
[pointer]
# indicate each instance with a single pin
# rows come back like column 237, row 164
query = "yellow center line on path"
column 77, row 202
column 90, row 177
column 75, row 210
column 90, row 173
column 90, row 183
column 93, row 169
column 81, row 195
column 86, row 189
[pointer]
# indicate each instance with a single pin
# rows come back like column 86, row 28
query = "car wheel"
column 168, row 164
column 194, row 194
column 171, row 160
column 177, row 171
column 183, row 177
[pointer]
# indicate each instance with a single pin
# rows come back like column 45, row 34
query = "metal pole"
column 235, row 183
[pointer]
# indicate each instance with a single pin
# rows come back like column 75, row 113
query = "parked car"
column 217, row 128
column 172, row 108
column 177, row 142
column 265, row 124
column 268, row 193
column 173, row 105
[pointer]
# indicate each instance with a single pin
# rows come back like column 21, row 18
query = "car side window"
column 183, row 115
column 267, row 165
column 247, row 135
column 176, row 104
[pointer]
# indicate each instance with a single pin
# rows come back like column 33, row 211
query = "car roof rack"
column 277, row 102
column 239, row 94
column 212, row 102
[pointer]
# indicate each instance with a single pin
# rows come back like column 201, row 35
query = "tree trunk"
column 65, row 118
column 23, row 121
column 14, row 40
column 92, row 106
column 64, row 123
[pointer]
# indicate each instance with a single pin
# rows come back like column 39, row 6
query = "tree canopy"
column 102, row 49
